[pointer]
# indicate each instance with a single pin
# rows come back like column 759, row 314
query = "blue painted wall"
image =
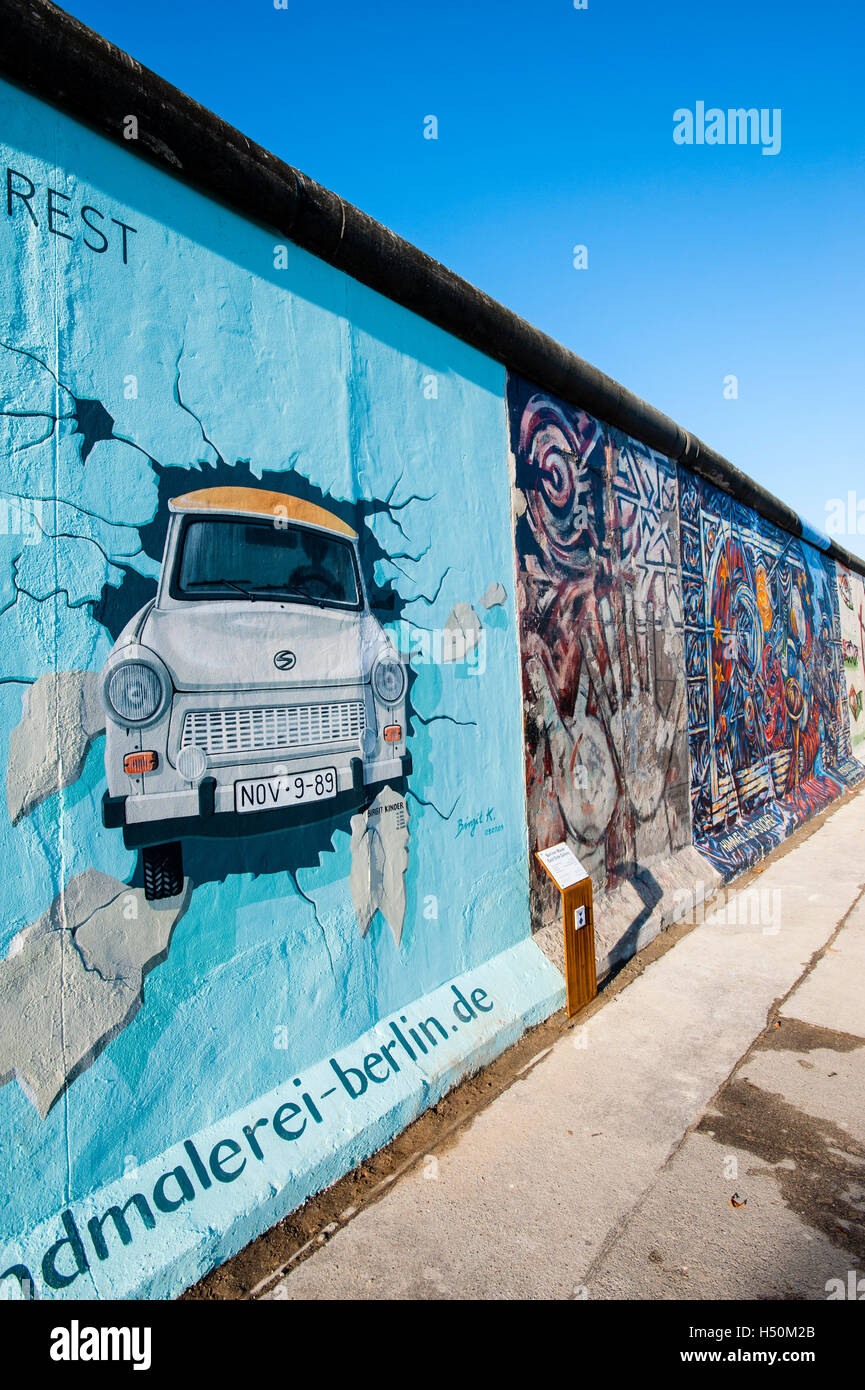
column 211, row 350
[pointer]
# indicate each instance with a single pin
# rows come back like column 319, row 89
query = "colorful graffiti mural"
column 851, row 607
column 265, row 894
column 769, row 736
column 601, row 631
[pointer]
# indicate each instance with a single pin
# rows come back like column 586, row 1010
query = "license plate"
column 269, row 793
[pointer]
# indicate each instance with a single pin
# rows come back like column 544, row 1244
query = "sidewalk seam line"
column 615, row 1234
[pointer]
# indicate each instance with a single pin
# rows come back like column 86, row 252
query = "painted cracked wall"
column 153, row 344
column 851, row 607
column 768, row 720
column 599, row 600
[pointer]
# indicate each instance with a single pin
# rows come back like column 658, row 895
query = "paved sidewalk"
column 731, row 1071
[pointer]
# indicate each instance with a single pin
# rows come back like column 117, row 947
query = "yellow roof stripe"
column 260, row 502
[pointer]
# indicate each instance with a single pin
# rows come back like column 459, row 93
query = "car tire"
column 163, row 870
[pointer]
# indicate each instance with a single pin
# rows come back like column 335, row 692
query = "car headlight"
column 388, row 680
column 134, row 692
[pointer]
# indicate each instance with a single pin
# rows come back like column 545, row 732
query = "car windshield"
column 234, row 559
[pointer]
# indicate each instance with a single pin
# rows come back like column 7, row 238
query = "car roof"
column 254, row 501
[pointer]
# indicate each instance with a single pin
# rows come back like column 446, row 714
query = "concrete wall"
column 690, row 672
column 601, row 626
column 153, row 343
column 768, row 720
column 851, row 608
column 606, row 635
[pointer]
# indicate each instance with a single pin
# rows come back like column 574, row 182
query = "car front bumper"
column 208, row 809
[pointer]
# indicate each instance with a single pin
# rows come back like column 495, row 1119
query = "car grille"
column 273, row 728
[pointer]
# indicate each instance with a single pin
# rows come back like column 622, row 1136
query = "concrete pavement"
column 702, row 1135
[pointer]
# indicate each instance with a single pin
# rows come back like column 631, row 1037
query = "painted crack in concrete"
column 79, row 425
column 82, row 991
column 92, row 420
column 387, row 507
column 434, row 718
column 318, row 922
column 424, row 598
column 432, row 806
column 183, row 406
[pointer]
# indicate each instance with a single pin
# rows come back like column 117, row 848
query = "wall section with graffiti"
column 258, row 639
column 293, row 687
column 600, row 609
column 692, row 676
column 768, row 719
column 851, row 607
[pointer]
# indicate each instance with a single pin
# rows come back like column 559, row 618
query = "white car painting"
column 257, row 691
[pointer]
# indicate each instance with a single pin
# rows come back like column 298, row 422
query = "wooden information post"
column 575, row 886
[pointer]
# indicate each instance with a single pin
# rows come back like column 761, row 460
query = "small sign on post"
column 575, row 886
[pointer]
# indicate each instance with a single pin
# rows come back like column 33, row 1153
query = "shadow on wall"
column 651, row 893
column 265, row 254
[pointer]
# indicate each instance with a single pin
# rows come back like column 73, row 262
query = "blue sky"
column 555, row 129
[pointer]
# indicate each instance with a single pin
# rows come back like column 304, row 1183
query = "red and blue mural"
column 600, row 609
column 768, row 729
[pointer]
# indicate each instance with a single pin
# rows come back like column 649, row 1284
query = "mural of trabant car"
column 257, row 691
